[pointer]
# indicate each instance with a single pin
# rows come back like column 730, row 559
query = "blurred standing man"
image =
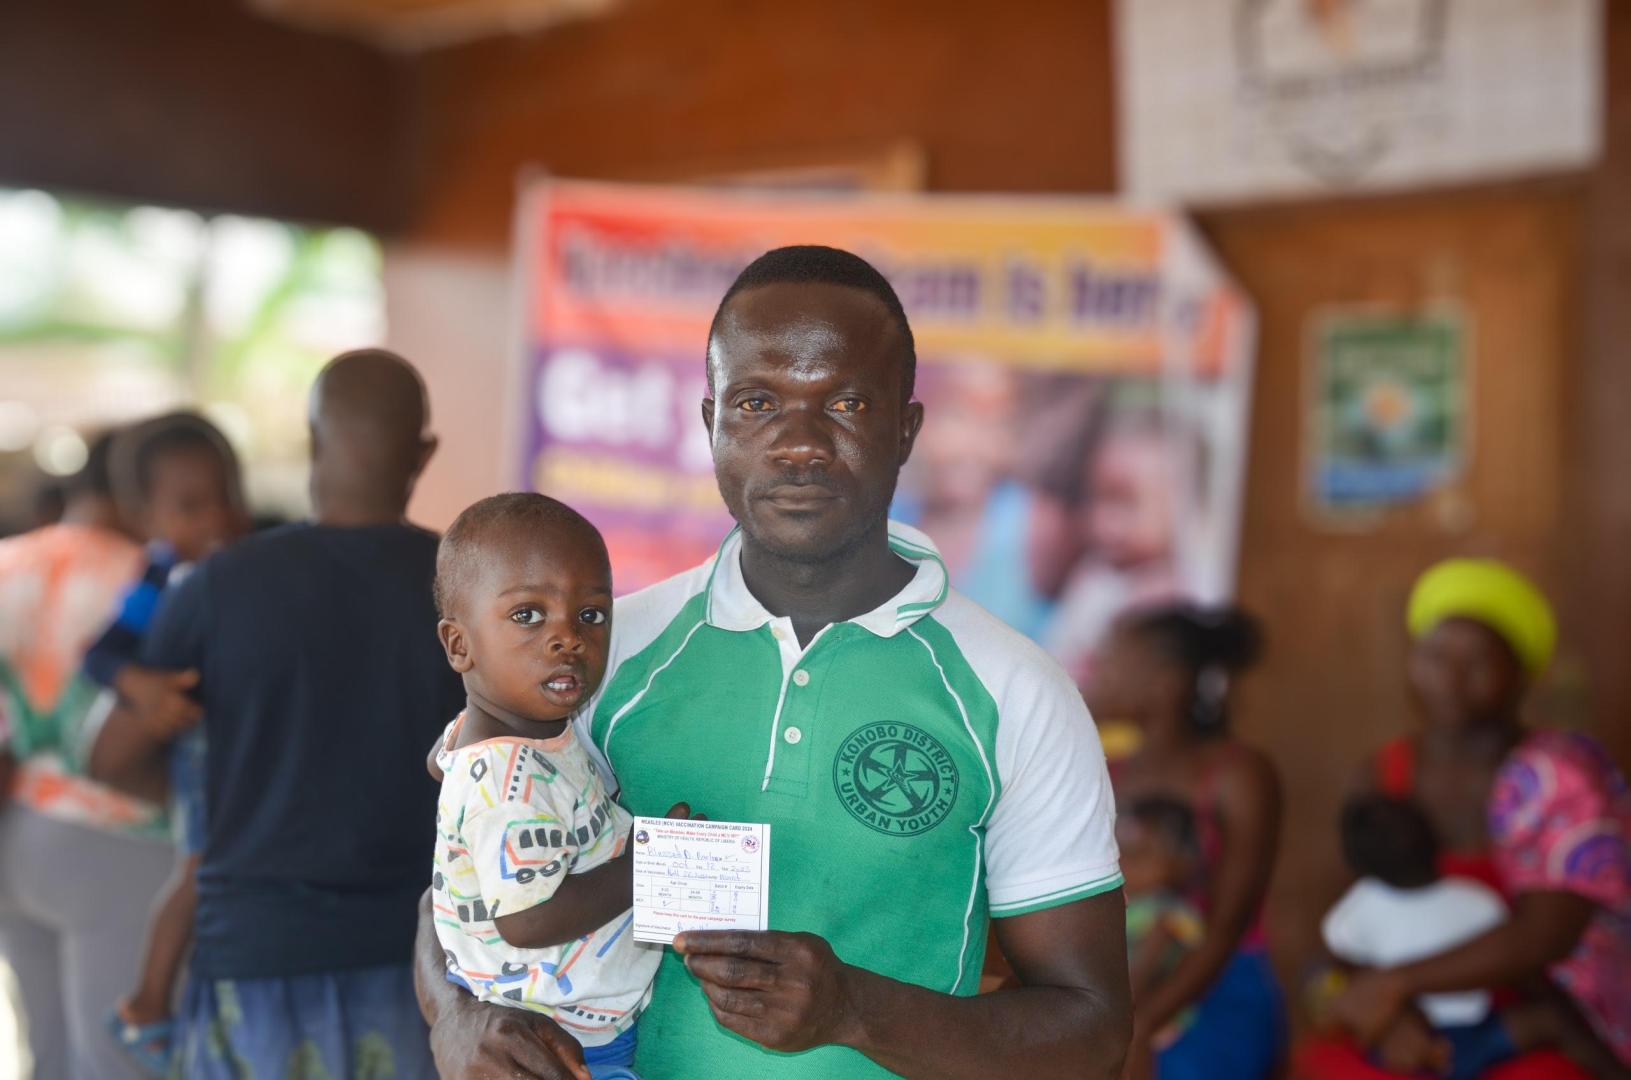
column 79, row 863
column 925, row 768
column 321, row 682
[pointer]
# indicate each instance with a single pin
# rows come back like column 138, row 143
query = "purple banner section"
column 621, row 439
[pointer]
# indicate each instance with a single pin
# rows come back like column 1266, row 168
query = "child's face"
column 190, row 504
column 1128, row 520
column 1148, row 863
column 530, row 634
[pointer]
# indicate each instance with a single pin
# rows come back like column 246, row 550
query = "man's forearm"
column 126, row 758
column 469, row 1038
column 436, row 994
column 1039, row 1031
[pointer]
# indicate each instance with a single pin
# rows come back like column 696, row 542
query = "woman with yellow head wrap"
column 1490, row 593
column 1544, row 816
column 1482, row 632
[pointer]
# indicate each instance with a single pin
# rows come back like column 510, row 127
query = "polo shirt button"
column 801, row 677
column 776, row 632
column 792, row 735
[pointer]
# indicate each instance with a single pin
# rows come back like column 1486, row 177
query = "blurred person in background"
column 1543, row 816
column 961, row 489
column 1168, row 672
column 1401, row 910
column 1065, row 417
column 178, row 481
column 1160, row 856
column 79, row 862
column 1126, row 521
column 321, row 681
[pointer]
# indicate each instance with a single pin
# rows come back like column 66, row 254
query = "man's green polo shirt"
column 923, row 768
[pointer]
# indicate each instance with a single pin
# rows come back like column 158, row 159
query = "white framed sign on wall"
column 1227, row 101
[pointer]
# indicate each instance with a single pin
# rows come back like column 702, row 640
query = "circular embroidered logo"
column 895, row 778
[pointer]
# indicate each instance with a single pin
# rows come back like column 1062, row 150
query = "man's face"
column 808, row 419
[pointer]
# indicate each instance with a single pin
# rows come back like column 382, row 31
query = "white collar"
column 732, row 606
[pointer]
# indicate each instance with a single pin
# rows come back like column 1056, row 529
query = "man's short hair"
column 1390, row 839
column 815, row 264
column 455, row 555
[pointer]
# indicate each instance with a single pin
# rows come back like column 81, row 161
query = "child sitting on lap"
column 1401, row 910
column 532, row 886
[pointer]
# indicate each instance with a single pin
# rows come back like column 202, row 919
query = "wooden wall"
column 1595, row 533
column 1001, row 99
column 1331, row 688
column 198, row 103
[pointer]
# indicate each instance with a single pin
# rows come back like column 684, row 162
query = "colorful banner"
column 1084, row 368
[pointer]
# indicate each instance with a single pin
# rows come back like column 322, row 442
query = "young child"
column 1401, row 910
column 177, row 481
column 1159, row 859
column 532, row 885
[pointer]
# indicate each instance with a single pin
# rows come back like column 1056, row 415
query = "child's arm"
column 431, row 766
column 1149, row 959
column 159, row 699
column 580, row 904
column 126, row 757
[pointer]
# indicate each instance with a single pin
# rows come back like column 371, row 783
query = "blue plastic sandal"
column 149, row 1045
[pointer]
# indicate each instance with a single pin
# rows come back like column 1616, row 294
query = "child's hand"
column 1409, row 1047
column 159, row 699
column 682, row 811
column 1369, row 1004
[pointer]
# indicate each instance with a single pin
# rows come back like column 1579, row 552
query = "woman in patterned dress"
column 1544, row 815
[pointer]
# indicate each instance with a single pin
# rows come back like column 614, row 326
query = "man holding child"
column 924, row 768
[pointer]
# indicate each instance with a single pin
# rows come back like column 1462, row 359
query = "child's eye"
column 849, row 405
column 593, row 616
column 527, row 616
column 754, row 404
